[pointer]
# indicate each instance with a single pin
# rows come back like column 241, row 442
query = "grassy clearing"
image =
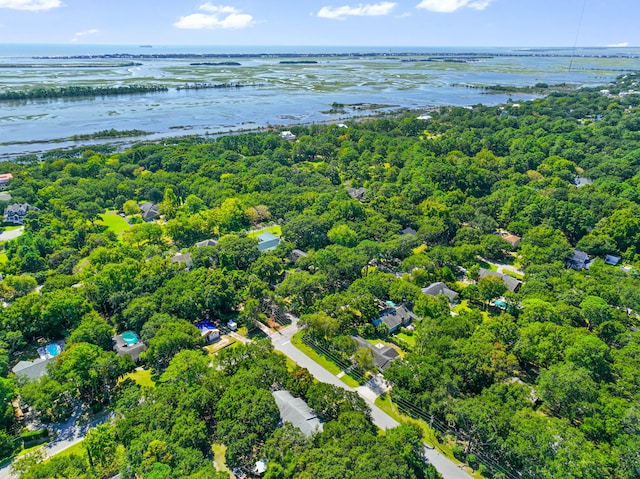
column 77, row 449
column 142, row 377
column 114, row 223
column 219, row 461
column 3, row 257
column 410, row 340
column 296, row 340
column 276, row 230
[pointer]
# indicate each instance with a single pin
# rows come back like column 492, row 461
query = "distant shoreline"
column 484, row 55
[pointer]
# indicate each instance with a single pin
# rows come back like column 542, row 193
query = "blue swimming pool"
column 500, row 304
column 130, row 337
column 53, row 349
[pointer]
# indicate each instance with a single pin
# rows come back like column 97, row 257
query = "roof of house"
column 296, row 254
column 32, row 370
column 296, row 412
column 267, row 241
column 20, row 209
column 6, row 177
column 511, row 238
column 395, row 316
column 382, row 355
column 149, row 211
column 436, row 289
column 206, row 327
column 121, row 347
column 181, row 258
column 408, row 231
column 287, row 135
column 579, row 260
column 207, row 242
column 512, row 283
column 357, row 193
column 612, row 259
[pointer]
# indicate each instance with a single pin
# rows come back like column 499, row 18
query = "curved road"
column 282, row 342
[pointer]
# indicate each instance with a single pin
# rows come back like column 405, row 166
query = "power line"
column 575, row 42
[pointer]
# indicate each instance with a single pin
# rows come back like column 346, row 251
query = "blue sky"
column 323, row 22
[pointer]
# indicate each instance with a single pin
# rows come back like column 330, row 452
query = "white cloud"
column 449, row 6
column 31, row 5
column 217, row 16
column 341, row 13
column 84, row 33
column 404, row 15
column 621, row 44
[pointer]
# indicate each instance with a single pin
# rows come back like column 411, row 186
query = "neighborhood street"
column 282, row 342
column 67, row 434
column 70, row 433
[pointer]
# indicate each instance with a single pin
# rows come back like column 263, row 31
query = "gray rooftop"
column 512, row 283
column 395, row 317
column 436, row 289
column 296, row 412
column 32, row 370
column 121, row 347
column 208, row 242
column 382, row 355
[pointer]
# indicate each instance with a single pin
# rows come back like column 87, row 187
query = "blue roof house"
column 267, row 242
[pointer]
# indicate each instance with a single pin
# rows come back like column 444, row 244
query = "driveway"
column 282, row 342
column 11, row 234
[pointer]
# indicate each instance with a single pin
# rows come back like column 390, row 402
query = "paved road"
column 282, row 342
column 67, row 434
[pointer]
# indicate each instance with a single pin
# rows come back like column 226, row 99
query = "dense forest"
column 543, row 381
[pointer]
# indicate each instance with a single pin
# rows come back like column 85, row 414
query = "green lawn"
column 296, row 340
column 276, row 230
column 410, row 340
column 77, row 448
column 114, row 223
column 142, row 377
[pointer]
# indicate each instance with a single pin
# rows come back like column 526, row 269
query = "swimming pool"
column 53, row 349
column 500, row 304
column 130, row 337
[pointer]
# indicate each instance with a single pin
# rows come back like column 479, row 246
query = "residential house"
column 436, row 289
column 287, row 135
column 208, row 331
column 129, row 344
column 579, row 260
column 513, row 240
column 382, row 355
column 357, row 193
column 612, row 260
column 297, row 254
column 32, row 370
column 184, row 259
column 267, row 242
column 5, row 179
column 297, row 413
column 208, row 242
column 149, row 211
column 394, row 318
column 513, row 284
column 408, row 231
column 16, row 213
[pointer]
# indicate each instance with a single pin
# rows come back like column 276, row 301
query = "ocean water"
column 275, row 93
